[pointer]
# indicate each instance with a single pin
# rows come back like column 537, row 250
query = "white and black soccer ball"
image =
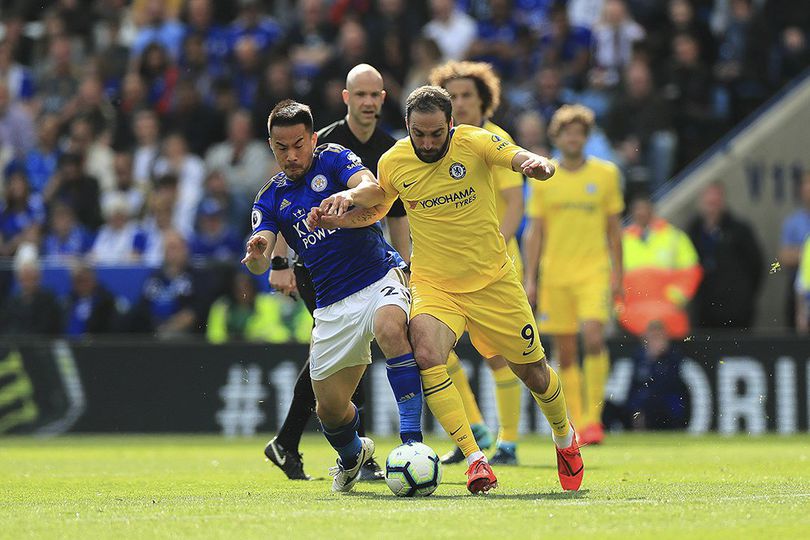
column 412, row 470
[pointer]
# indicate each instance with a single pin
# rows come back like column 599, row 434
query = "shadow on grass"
column 551, row 496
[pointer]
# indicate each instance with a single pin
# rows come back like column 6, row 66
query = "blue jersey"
column 341, row 261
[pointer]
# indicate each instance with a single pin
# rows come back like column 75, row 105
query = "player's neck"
column 361, row 133
column 572, row 163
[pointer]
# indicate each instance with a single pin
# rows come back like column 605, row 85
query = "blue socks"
column 405, row 381
column 344, row 439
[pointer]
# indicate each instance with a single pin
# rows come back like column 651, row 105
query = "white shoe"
column 345, row 479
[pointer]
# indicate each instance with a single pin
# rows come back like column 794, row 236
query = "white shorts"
column 344, row 330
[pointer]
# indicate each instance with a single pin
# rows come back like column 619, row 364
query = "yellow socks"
column 596, row 367
column 571, row 378
column 552, row 403
column 462, row 384
column 445, row 403
column 508, row 390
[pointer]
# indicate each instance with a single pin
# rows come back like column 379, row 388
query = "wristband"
column 279, row 263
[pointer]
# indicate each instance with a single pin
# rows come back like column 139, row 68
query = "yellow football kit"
column 505, row 179
column 575, row 262
column 461, row 273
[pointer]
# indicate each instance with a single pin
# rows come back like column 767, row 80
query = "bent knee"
column 535, row 376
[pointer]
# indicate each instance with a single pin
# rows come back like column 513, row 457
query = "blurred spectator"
column 236, row 209
column 683, row 20
column 639, row 126
column 190, row 172
column 74, row 187
column 18, row 78
column 425, row 55
column 309, row 41
column 22, row 214
column 56, row 82
column 614, row 37
column 245, row 315
column 566, row 46
column 111, row 52
column 215, row 239
column 97, row 156
column 246, row 70
column 66, row 238
column 132, row 99
column 92, row 104
column 451, row 29
column 147, row 135
column 116, row 240
column 124, row 187
column 688, row 89
column 17, row 135
column 661, row 272
column 732, row 264
column 200, row 23
column 391, row 32
column 742, row 59
column 790, row 56
column 251, row 22
column 90, row 308
column 167, row 306
column 33, row 309
column 195, row 67
column 802, row 285
column 501, row 39
column 547, row 96
column 42, row 161
column 245, row 162
column 22, row 46
column 585, row 13
column 192, row 118
column 657, row 398
column 276, row 85
column 160, row 74
column 795, row 232
column 530, row 129
column 159, row 28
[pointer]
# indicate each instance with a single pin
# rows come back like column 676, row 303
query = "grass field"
column 636, row 486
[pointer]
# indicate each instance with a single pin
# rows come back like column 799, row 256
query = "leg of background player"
column 596, row 366
column 508, row 391
column 570, row 374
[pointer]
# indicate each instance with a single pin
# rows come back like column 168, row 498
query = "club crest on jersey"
column 495, row 138
column 458, row 171
column 284, row 204
column 298, row 213
column 590, row 188
column 318, row 183
column 255, row 218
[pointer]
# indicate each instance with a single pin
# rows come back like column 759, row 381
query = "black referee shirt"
column 369, row 152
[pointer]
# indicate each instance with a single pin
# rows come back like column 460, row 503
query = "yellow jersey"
column 575, row 208
column 457, row 244
column 504, row 178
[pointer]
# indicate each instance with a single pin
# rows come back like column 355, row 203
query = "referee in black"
column 357, row 131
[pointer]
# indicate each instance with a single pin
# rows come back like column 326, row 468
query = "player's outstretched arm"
column 353, row 219
column 363, row 192
column 532, row 165
column 258, row 250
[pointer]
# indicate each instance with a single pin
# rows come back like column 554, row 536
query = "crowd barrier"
column 736, row 384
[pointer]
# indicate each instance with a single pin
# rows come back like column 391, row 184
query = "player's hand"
column 337, row 204
column 256, row 246
column 317, row 218
column 537, row 167
column 283, row 281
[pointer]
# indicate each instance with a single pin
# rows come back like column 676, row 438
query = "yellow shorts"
column 498, row 317
column 562, row 308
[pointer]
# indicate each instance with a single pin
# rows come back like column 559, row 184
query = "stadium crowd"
column 134, row 133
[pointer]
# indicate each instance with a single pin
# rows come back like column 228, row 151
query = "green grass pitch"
column 636, row 486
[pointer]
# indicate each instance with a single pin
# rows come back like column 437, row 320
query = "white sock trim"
column 475, row 456
column 564, row 441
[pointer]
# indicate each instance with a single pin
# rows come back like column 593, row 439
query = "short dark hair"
column 290, row 113
column 427, row 99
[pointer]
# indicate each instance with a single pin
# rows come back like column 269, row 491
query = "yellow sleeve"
column 614, row 200
column 496, row 151
column 686, row 256
column 391, row 192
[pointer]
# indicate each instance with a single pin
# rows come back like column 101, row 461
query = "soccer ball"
column 413, row 469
